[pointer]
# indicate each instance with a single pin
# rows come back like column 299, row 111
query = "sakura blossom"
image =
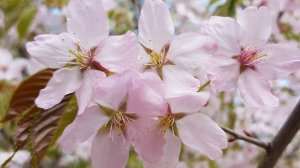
column 149, row 84
column 244, row 55
column 85, row 53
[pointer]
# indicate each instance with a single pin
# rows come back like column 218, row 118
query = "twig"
column 282, row 139
column 245, row 138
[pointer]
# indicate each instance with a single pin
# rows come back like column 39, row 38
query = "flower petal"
column 170, row 158
column 190, row 50
column 223, row 72
column 189, row 102
column 84, row 126
column 148, row 142
column 226, row 32
column 118, row 53
column 63, row 82
column 155, row 25
column 52, row 50
column 281, row 60
column 256, row 26
column 178, row 81
column 87, row 20
column 201, row 133
column 87, row 88
column 109, row 153
column 256, row 93
column 146, row 95
column 111, row 92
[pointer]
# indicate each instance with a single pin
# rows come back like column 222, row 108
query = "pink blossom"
column 116, row 124
column 83, row 56
column 244, row 57
column 176, row 116
column 159, row 46
column 11, row 69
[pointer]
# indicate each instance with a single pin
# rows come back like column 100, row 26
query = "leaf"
column 25, row 21
column 45, row 127
column 40, row 128
column 67, row 117
column 26, row 93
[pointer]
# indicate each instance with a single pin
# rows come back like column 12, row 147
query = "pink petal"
column 88, row 22
column 178, row 81
column 118, row 53
column 170, row 158
column 52, row 50
column 87, row 88
column 201, row 133
column 109, row 153
column 148, row 142
column 181, row 90
column 281, row 60
column 155, row 25
column 256, row 26
column 188, row 102
column 84, row 126
column 223, row 72
column 64, row 81
column 256, row 93
column 111, row 92
column 146, row 95
column 190, row 50
column 226, row 33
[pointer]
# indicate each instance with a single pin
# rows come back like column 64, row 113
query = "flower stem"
column 204, row 86
column 245, row 138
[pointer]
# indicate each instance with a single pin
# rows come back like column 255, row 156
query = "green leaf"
column 67, row 117
column 25, row 21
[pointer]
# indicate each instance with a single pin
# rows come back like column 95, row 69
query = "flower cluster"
column 146, row 92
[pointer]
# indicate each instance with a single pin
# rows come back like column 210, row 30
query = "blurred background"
column 21, row 20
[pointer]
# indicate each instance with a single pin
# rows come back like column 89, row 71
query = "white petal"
column 255, row 90
column 256, row 26
column 190, row 51
column 87, row 20
column 201, row 133
column 223, row 72
column 84, row 126
column 170, row 158
column 226, row 32
column 87, row 88
column 63, row 82
column 155, row 25
column 109, row 153
column 52, row 50
column 118, row 53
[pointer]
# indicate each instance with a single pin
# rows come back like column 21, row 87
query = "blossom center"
column 82, row 59
column 249, row 57
column 120, row 122
column 167, row 121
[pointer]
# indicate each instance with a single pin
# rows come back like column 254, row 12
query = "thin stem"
column 245, row 138
column 203, row 86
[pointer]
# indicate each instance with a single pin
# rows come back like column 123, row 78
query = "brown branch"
column 245, row 138
column 282, row 139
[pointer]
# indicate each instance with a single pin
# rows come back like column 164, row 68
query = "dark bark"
column 285, row 135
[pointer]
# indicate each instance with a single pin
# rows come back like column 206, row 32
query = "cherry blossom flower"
column 11, row 69
column 115, row 125
column 244, row 57
column 83, row 56
column 160, row 48
column 177, row 118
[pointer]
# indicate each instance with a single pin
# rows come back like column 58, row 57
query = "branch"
column 245, row 138
column 282, row 139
